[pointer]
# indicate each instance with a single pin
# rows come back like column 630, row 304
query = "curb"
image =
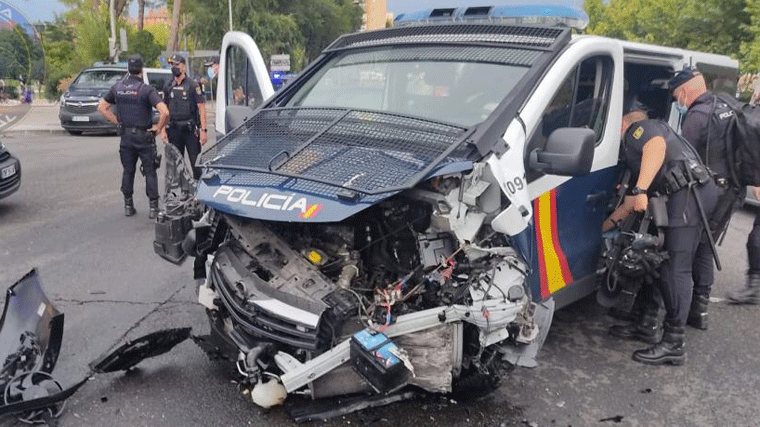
column 39, row 131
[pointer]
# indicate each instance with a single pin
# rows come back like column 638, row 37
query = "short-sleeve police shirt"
column 134, row 102
column 637, row 135
column 680, row 213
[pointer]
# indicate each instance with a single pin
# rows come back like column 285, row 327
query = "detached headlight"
column 63, row 100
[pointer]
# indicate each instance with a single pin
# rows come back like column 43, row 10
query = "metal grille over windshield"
column 549, row 38
column 369, row 152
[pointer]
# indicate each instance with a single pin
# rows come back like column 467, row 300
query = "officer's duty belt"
column 183, row 124
column 138, row 132
column 682, row 175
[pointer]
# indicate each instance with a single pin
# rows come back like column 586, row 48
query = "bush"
column 11, row 90
column 56, row 84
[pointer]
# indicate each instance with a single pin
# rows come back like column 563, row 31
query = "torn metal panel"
column 135, row 351
column 525, row 356
column 31, row 330
column 431, row 352
column 509, row 171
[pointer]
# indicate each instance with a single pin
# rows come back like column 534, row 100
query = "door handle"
column 595, row 197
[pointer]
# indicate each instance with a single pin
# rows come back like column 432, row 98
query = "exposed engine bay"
column 285, row 299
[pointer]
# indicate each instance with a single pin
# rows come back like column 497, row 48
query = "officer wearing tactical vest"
column 706, row 125
column 187, row 110
column 665, row 164
column 134, row 116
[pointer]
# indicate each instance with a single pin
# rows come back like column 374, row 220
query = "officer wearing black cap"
column 134, row 116
column 665, row 164
column 706, row 125
column 187, row 109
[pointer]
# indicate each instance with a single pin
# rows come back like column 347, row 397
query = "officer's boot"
column 153, row 213
column 646, row 329
column 669, row 350
column 749, row 294
column 698, row 312
column 129, row 207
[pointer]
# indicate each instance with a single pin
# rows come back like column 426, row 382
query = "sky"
column 38, row 10
column 45, row 10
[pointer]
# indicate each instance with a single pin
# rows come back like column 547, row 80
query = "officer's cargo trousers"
column 185, row 137
column 682, row 239
column 133, row 147
column 753, row 246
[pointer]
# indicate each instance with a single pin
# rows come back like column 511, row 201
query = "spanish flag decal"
column 310, row 212
column 552, row 263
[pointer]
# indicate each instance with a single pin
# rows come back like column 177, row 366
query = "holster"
column 659, row 208
column 155, row 157
column 683, row 174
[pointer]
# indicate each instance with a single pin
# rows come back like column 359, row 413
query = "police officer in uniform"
column 134, row 116
column 665, row 164
column 706, row 125
column 187, row 111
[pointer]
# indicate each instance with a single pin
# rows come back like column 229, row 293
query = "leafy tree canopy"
column 299, row 27
column 715, row 26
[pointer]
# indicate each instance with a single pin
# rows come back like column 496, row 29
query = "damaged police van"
column 414, row 206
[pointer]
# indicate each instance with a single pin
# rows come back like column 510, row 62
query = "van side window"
column 241, row 85
column 581, row 101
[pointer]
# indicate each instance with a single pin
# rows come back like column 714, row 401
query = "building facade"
column 375, row 14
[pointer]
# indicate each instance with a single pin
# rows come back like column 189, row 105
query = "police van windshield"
column 457, row 85
column 99, row 78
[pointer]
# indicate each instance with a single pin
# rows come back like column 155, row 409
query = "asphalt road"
column 100, row 270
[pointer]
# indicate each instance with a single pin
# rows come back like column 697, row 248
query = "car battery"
column 372, row 357
column 170, row 232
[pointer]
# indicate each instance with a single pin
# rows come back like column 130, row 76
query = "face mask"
column 210, row 73
column 176, row 71
column 682, row 109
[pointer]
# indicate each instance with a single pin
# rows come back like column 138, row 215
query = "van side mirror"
column 568, row 152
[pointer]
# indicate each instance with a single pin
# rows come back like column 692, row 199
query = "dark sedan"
column 79, row 105
column 10, row 173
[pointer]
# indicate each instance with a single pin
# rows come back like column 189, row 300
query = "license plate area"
column 81, row 118
column 8, row 172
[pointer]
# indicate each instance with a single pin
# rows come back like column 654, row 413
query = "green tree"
column 716, row 26
column 60, row 58
column 301, row 28
column 143, row 42
column 21, row 55
column 751, row 48
column 92, row 30
column 322, row 21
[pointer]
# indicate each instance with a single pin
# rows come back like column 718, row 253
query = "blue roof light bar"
column 527, row 14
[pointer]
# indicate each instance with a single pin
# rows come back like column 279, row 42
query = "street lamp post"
column 229, row 8
column 113, row 49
